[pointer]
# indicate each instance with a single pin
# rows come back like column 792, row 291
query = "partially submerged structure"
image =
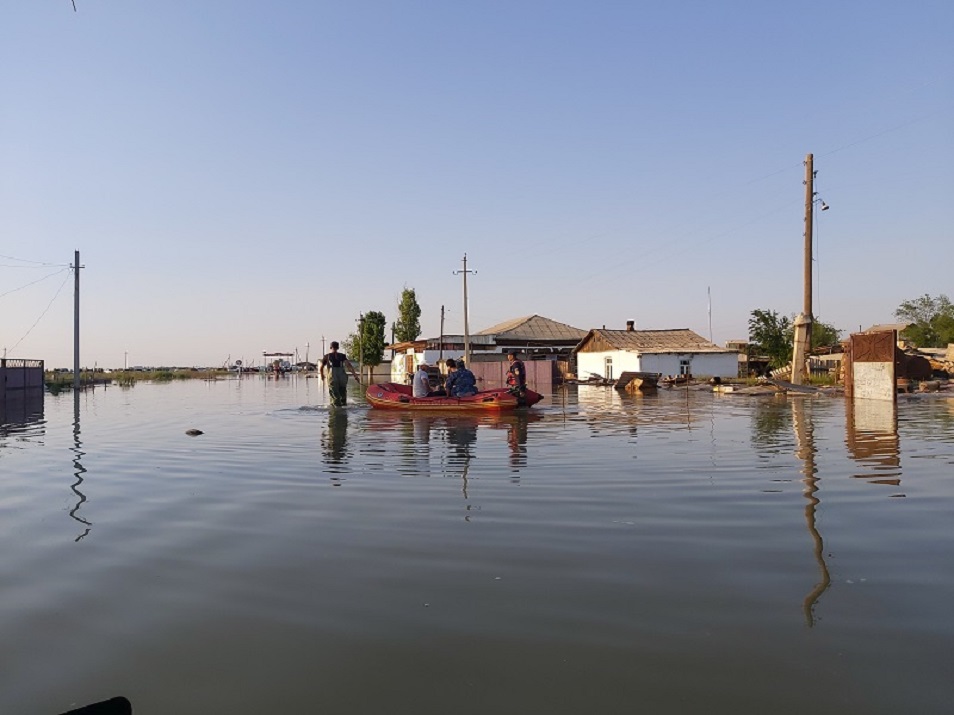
column 534, row 337
column 609, row 353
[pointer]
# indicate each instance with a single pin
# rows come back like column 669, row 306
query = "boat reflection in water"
column 445, row 444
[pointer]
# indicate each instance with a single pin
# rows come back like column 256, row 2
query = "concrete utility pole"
column 76, row 320
column 809, row 204
column 464, row 271
column 803, row 322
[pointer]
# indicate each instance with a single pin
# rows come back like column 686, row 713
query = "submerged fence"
column 18, row 374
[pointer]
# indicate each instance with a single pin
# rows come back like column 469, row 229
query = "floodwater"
column 678, row 553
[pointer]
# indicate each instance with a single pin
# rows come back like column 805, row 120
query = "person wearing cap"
column 516, row 374
column 421, row 384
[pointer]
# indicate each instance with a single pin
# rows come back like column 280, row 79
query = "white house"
column 609, row 353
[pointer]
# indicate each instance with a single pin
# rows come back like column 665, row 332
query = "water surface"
column 678, row 553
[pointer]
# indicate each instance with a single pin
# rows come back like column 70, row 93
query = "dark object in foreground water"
column 194, row 432
column 113, row 706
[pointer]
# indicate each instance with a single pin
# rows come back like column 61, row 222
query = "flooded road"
column 677, row 553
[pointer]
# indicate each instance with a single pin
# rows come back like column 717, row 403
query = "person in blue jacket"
column 460, row 381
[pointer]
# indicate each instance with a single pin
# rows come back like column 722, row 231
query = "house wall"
column 701, row 364
column 411, row 358
column 494, row 374
column 623, row 361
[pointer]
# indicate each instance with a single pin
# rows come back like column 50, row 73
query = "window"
column 608, row 368
column 684, row 366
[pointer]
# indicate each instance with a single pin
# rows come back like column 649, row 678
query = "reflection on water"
column 449, row 438
column 805, row 439
column 871, row 436
column 675, row 550
column 21, row 416
column 78, row 469
column 334, row 442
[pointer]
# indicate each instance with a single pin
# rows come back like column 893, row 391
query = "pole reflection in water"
column 461, row 435
column 78, row 469
column 334, row 443
column 871, row 436
column 805, row 440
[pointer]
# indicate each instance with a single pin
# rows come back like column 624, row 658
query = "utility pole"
column 76, row 320
column 464, row 271
column 361, row 343
column 441, row 344
column 809, row 205
column 803, row 322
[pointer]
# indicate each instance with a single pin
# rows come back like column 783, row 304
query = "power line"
column 38, row 280
column 36, row 263
column 41, row 314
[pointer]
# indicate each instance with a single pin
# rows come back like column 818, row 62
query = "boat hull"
column 392, row 396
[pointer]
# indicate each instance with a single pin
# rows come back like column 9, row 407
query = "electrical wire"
column 41, row 314
column 38, row 280
column 36, row 263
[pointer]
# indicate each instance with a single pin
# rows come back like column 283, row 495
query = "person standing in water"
column 337, row 364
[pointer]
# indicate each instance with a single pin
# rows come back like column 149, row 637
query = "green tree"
column 408, row 325
column 368, row 346
column 771, row 334
column 349, row 346
column 931, row 321
column 823, row 334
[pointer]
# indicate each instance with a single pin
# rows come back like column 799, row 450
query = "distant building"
column 609, row 353
column 533, row 336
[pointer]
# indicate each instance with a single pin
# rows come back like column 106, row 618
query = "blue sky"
column 249, row 176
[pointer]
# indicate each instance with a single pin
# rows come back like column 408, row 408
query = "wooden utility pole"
column 441, row 345
column 361, row 343
column 464, row 271
column 76, row 320
column 809, row 205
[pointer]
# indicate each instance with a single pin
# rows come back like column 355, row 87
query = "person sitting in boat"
column 421, row 384
column 460, row 381
column 516, row 374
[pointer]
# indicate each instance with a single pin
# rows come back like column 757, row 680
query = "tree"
column 408, row 325
column 771, row 334
column 931, row 321
column 368, row 346
column 823, row 334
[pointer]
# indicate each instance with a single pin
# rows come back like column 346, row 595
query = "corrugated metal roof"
column 679, row 340
column 535, row 327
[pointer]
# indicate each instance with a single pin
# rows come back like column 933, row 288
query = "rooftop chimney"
column 630, row 325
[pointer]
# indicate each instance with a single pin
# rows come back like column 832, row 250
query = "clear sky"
column 247, row 176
